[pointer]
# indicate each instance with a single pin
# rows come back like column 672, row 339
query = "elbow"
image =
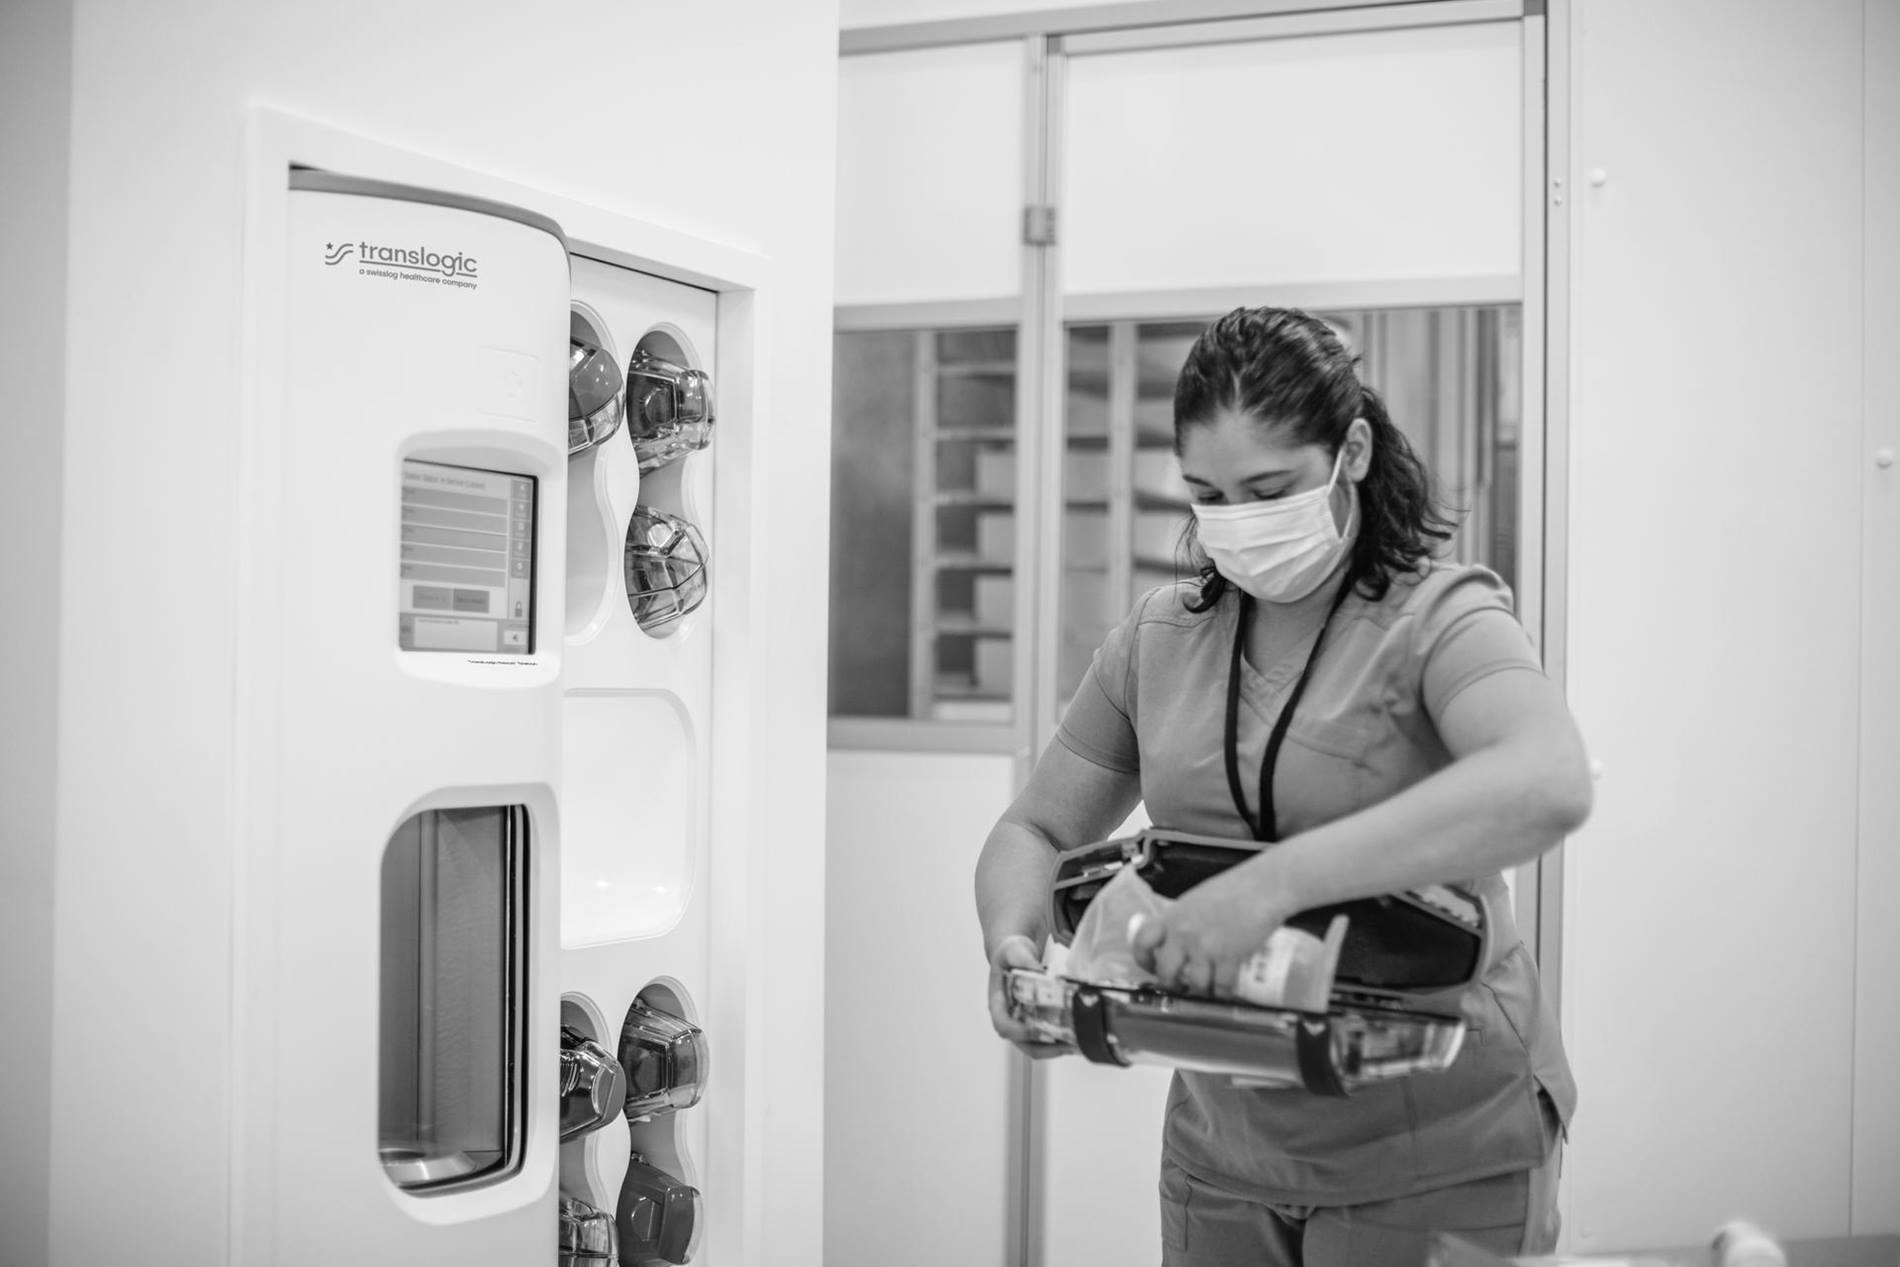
column 1569, row 795
column 1550, row 795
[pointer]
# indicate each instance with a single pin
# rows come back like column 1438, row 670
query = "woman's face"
column 1234, row 461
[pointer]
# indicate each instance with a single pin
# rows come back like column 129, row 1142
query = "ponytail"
column 1401, row 519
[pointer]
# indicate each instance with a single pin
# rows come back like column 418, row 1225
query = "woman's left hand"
column 1199, row 943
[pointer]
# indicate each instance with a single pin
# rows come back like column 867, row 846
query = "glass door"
column 929, row 539
column 1366, row 166
column 924, row 525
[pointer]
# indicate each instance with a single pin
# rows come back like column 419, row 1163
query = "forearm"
column 1012, row 885
column 1493, row 809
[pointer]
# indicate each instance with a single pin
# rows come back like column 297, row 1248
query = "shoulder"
column 1457, row 625
column 1168, row 605
column 1439, row 595
column 1160, row 628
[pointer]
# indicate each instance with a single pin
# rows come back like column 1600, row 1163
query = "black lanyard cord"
column 1266, row 827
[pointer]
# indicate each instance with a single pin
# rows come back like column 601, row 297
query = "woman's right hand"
column 1017, row 952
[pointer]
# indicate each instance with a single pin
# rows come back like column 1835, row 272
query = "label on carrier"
column 467, row 551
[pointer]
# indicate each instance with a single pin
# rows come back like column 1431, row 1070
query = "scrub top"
column 1154, row 704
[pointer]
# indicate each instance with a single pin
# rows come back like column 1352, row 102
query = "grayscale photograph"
column 1214, row 633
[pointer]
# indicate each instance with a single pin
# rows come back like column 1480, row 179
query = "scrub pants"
column 1204, row 1227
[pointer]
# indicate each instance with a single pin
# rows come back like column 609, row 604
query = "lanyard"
column 1267, row 827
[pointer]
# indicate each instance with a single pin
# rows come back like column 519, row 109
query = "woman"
column 1418, row 742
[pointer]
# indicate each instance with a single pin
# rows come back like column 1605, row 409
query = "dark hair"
column 1285, row 368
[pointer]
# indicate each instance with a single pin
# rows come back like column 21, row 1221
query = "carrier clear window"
column 453, row 997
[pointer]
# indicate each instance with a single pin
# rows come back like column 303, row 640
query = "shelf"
column 977, row 369
column 965, row 625
column 988, row 710
column 968, row 561
column 1086, row 439
column 970, row 499
column 1154, row 563
column 965, row 689
column 1087, row 503
column 975, row 435
column 1160, row 501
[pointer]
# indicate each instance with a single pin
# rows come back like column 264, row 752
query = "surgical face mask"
column 1279, row 551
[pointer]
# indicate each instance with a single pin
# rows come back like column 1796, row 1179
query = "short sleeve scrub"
column 1154, row 704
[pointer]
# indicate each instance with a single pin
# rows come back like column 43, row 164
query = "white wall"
column 930, row 174
column 35, row 108
column 1715, row 614
column 917, row 1151
column 1876, row 1196
column 736, row 106
column 1371, row 156
column 1100, row 1132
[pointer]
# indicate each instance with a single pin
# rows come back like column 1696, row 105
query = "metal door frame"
column 1542, row 292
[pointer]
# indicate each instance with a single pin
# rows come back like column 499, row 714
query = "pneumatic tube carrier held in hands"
column 1389, row 978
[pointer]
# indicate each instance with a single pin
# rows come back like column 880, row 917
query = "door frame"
column 1051, row 38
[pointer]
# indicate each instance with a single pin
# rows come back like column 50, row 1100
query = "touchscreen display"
column 467, row 577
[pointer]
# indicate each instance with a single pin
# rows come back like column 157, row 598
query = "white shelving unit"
column 1124, row 502
column 963, row 530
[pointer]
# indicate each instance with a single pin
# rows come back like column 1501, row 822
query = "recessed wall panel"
column 631, row 803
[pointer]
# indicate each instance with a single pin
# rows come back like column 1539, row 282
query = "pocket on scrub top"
column 1322, row 771
column 1347, row 740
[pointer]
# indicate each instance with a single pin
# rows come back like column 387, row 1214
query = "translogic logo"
column 404, row 263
